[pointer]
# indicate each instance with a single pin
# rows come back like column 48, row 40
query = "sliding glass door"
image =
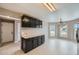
column 76, row 31
column 58, row 30
column 63, row 30
column 52, row 30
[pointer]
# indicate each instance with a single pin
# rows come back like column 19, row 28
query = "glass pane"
column 75, row 27
column 63, row 31
column 52, row 30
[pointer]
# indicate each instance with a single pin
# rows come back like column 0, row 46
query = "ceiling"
column 66, row 11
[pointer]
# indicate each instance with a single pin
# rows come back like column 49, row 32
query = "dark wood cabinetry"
column 39, row 40
column 42, row 39
column 35, row 42
column 31, row 43
column 28, row 21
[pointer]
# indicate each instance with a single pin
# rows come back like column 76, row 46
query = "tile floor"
column 51, row 47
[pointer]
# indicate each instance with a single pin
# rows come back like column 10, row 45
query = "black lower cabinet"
column 26, row 45
column 35, row 43
column 39, row 40
column 42, row 39
column 31, row 43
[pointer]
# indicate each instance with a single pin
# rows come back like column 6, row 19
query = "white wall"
column 43, row 30
column 6, row 12
column 17, row 23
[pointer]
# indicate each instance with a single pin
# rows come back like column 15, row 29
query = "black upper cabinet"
column 28, row 21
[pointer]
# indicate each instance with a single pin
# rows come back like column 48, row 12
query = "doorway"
column 7, row 30
column 76, row 31
column 52, row 30
column 63, row 30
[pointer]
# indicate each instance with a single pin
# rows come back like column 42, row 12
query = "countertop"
column 29, row 35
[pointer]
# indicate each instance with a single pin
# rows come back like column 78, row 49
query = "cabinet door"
column 35, row 43
column 40, row 24
column 25, row 24
column 28, row 45
column 23, row 44
column 33, row 24
column 39, row 40
column 42, row 39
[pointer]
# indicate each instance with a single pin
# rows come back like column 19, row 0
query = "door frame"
column 8, row 21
